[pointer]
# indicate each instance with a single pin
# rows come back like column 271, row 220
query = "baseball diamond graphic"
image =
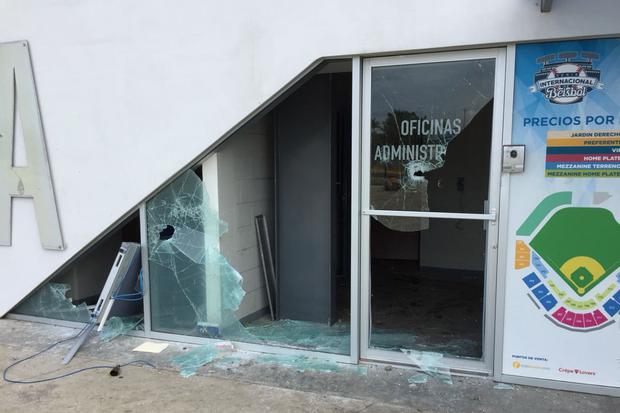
column 568, row 256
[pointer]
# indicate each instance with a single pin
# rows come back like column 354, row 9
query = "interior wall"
column 245, row 182
column 393, row 245
column 451, row 243
column 89, row 272
column 304, row 197
column 340, row 85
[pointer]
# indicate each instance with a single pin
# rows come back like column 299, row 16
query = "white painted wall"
column 130, row 91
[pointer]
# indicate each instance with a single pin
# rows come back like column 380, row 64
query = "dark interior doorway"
column 313, row 175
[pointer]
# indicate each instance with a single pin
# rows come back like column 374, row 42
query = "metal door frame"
column 484, row 365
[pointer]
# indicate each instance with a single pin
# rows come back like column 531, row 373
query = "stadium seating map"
column 569, row 257
column 562, row 282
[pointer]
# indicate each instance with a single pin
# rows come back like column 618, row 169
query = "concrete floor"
column 440, row 310
column 248, row 386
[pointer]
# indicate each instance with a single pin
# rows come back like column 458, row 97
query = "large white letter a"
column 34, row 180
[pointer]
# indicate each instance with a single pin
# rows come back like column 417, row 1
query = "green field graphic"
column 581, row 244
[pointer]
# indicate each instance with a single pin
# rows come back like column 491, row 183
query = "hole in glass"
column 166, row 233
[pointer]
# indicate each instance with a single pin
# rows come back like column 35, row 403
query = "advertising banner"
column 562, row 306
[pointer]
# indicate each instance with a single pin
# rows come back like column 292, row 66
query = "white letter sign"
column 18, row 94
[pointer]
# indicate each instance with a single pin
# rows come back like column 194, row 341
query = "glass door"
column 431, row 132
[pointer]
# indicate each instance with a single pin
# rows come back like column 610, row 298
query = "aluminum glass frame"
column 354, row 356
column 146, row 296
column 485, row 365
column 356, row 147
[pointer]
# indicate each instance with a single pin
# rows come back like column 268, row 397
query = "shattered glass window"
column 52, row 301
column 430, row 135
column 194, row 290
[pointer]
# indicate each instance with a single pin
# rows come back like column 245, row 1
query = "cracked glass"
column 51, row 301
column 430, row 135
column 194, row 290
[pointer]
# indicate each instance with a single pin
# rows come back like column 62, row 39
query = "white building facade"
column 435, row 177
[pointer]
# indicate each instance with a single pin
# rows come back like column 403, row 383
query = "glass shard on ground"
column 430, row 363
column 117, row 326
column 50, row 301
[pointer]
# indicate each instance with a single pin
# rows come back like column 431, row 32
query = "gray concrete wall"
column 89, row 272
column 303, row 134
column 460, row 244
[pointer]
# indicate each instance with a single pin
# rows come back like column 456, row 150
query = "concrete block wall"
column 245, row 166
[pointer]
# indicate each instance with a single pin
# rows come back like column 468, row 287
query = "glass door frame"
column 484, row 365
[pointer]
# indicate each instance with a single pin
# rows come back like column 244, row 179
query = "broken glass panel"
column 299, row 363
column 50, row 301
column 223, row 355
column 304, row 334
column 419, row 378
column 190, row 362
column 430, row 138
column 194, row 290
column 117, row 326
column 430, row 363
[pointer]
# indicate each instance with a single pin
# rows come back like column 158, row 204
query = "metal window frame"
column 485, row 365
column 492, row 216
column 146, row 286
column 353, row 356
column 356, row 147
column 503, row 221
